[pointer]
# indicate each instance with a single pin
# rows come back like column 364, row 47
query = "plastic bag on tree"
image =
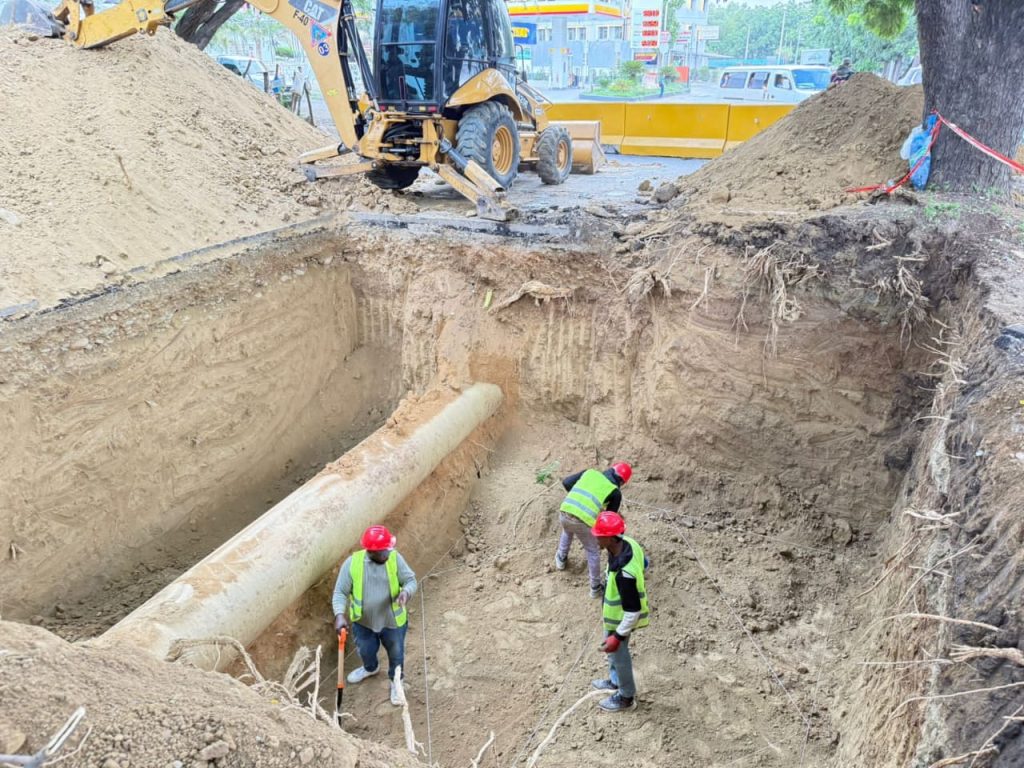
column 29, row 16
column 920, row 146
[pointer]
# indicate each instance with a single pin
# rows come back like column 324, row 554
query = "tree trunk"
column 972, row 56
column 200, row 23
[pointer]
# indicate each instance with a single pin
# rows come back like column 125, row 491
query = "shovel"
column 342, row 637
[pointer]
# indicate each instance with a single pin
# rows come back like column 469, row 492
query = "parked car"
column 784, row 84
column 912, row 77
column 251, row 69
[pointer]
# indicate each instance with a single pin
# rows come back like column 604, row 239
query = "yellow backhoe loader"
column 443, row 92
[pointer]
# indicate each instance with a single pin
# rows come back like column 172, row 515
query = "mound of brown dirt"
column 149, row 714
column 849, row 136
column 120, row 157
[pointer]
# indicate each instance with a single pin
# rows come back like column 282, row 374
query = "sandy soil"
column 140, row 712
column 790, row 473
column 163, row 152
column 850, row 136
column 787, row 390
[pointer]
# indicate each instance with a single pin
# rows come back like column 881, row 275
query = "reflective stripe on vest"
column 357, row 568
column 612, row 610
column 586, row 499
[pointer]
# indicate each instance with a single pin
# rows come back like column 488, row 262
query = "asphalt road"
column 615, row 185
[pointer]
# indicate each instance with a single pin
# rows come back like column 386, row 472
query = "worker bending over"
column 625, row 609
column 375, row 583
column 590, row 491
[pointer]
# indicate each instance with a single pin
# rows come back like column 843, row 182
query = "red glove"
column 611, row 644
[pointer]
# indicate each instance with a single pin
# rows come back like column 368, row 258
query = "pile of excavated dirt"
column 149, row 714
column 122, row 157
column 849, row 136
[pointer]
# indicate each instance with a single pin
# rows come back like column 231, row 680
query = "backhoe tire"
column 487, row 133
column 393, row 176
column 554, row 154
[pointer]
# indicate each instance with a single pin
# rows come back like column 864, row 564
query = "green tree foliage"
column 887, row 18
column 849, row 28
column 631, row 70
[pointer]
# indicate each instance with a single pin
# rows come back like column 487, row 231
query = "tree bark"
column 200, row 23
column 972, row 57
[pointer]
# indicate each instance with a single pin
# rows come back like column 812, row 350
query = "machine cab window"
column 465, row 52
column 478, row 36
column 406, row 47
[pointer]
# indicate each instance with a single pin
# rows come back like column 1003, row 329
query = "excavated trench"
column 153, row 423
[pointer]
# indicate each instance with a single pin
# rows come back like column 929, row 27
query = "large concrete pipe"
column 241, row 588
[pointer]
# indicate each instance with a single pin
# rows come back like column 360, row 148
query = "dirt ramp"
column 848, row 136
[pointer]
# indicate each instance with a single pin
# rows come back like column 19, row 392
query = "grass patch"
column 940, row 209
column 635, row 90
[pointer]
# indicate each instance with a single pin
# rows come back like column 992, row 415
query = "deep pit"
column 770, row 393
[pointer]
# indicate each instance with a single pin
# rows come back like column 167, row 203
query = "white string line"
column 426, row 674
column 423, row 626
column 821, row 665
column 743, row 531
column 586, row 643
column 731, row 610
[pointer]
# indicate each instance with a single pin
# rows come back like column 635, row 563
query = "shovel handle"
column 342, row 637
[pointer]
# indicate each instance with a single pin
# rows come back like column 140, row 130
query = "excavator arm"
column 325, row 28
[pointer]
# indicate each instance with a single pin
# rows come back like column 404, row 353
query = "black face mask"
column 382, row 560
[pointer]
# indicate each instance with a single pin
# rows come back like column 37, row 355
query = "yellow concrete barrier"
column 675, row 130
column 746, row 120
column 611, row 115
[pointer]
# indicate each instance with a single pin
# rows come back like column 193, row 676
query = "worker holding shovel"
column 625, row 609
column 374, row 585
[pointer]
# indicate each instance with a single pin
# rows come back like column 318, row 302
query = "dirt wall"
column 166, row 420
column 941, row 621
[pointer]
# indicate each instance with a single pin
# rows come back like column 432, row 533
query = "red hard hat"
column 377, row 538
column 609, row 524
column 623, row 470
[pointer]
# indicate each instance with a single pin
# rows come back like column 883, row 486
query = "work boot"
column 603, row 685
column 559, row 562
column 597, row 591
column 617, row 703
column 359, row 674
column 395, row 699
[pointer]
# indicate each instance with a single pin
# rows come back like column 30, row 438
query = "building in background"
column 576, row 42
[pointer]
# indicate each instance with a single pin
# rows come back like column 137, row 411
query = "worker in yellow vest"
column 374, row 584
column 589, row 492
column 625, row 609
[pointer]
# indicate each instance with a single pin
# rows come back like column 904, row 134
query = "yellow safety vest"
column 586, row 499
column 612, row 610
column 357, row 568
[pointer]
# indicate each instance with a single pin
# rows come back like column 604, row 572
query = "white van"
column 781, row 84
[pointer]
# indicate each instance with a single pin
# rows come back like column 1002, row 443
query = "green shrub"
column 669, row 73
column 631, row 70
column 284, row 51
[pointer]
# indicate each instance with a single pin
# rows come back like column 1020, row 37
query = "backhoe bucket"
column 587, row 154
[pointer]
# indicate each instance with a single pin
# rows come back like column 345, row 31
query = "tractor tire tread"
column 474, row 136
column 547, row 154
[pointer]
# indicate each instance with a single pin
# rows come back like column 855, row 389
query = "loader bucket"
column 587, row 154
